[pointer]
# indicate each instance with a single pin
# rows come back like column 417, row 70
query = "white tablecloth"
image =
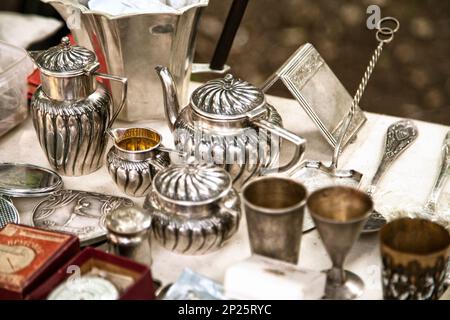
column 407, row 182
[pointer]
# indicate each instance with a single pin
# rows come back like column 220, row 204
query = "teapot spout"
column 171, row 104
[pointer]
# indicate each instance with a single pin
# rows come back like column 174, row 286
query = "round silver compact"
column 85, row 288
column 26, row 180
column 8, row 213
column 81, row 213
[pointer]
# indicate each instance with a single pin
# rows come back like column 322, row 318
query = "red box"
column 141, row 289
column 28, row 256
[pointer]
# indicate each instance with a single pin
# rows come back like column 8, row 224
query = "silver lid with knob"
column 65, row 59
column 227, row 98
column 192, row 184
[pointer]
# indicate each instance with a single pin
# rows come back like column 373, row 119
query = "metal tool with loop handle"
column 384, row 35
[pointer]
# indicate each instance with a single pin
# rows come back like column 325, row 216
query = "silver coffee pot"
column 229, row 123
column 71, row 111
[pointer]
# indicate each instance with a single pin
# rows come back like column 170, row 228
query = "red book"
column 28, row 256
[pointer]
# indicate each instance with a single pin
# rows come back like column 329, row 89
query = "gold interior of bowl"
column 139, row 139
column 274, row 193
column 415, row 236
column 340, row 204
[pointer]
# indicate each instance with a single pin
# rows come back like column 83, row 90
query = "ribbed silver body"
column 249, row 154
column 72, row 132
column 134, row 177
column 201, row 229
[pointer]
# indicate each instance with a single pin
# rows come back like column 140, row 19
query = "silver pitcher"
column 135, row 158
column 229, row 123
column 71, row 111
column 131, row 45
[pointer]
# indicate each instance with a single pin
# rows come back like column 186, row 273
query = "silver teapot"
column 229, row 123
column 194, row 208
column 71, row 111
column 134, row 159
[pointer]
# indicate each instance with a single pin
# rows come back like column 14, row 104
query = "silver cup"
column 340, row 214
column 129, row 234
column 274, row 209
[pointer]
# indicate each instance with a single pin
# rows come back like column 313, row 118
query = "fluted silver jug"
column 131, row 45
column 71, row 110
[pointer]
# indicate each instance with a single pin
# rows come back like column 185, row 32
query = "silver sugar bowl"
column 194, row 208
column 128, row 234
column 71, row 111
column 134, row 159
column 229, row 123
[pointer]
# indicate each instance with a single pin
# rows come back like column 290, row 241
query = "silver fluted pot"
column 229, row 123
column 194, row 208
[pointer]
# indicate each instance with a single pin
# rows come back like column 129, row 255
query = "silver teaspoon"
column 400, row 135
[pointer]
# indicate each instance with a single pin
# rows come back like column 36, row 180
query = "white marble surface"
column 409, row 180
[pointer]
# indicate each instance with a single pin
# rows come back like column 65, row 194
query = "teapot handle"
column 123, row 99
column 299, row 143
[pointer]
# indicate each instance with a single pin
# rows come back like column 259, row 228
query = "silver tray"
column 26, row 180
column 80, row 213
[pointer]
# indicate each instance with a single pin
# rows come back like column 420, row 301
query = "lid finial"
column 65, row 42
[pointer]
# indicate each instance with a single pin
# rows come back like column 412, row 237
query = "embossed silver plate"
column 78, row 212
column 26, row 180
column 319, row 92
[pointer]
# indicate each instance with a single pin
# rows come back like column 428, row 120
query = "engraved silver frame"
column 295, row 74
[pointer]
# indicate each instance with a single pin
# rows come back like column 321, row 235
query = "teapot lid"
column 192, row 183
column 227, row 98
column 65, row 59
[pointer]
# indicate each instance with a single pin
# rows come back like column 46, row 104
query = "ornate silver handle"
column 444, row 172
column 123, row 98
column 287, row 135
column 399, row 137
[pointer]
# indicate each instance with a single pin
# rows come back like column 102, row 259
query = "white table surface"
column 407, row 183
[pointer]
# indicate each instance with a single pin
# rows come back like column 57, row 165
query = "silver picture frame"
column 319, row 92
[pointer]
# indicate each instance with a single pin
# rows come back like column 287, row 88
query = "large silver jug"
column 132, row 45
column 71, row 111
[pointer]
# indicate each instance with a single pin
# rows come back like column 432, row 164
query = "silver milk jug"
column 229, row 123
column 135, row 158
column 71, row 111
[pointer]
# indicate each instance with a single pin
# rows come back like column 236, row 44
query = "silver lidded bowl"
column 194, row 208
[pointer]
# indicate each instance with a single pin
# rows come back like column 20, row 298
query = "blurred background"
column 412, row 78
